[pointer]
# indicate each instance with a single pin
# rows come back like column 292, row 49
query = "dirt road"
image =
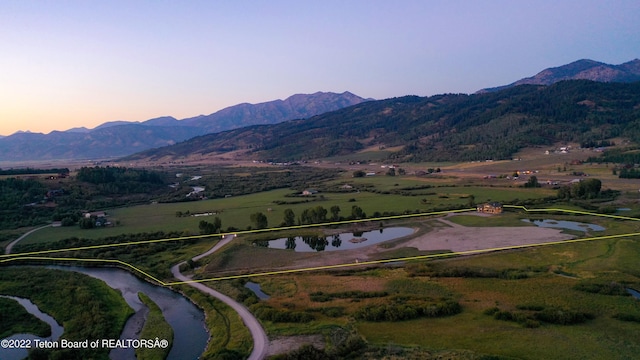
column 260, row 339
column 9, row 247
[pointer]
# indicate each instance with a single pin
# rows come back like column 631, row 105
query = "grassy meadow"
column 545, row 277
column 236, row 211
column 546, row 285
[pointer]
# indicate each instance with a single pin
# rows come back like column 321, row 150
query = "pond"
column 56, row 330
column 255, row 287
column 343, row 241
column 562, row 224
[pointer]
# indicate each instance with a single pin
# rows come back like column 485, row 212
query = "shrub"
column 399, row 312
column 562, row 316
column 627, row 317
column 611, row 288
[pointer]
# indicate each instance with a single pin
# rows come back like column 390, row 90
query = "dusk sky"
column 67, row 64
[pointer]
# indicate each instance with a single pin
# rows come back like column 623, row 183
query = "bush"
column 562, row 316
column 354, row 294
column 627, row 317
column 267, row 313
column 530, row 307
column 539, row 314
column 400, row 312
column 611, row 288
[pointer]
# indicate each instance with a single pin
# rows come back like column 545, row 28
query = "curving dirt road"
column 9, row 247
column 260, row 339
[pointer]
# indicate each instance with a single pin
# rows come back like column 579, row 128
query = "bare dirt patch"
column 448, row 236
column 285, row 344
column 462, row 238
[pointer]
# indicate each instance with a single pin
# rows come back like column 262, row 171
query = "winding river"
column 187, row 321
column 56, row 330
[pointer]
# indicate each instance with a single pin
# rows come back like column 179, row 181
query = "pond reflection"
column 343, row 241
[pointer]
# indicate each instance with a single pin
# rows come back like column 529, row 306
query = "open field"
column 235, row 211
column 432, row 235
column 548, row 272
column 602, row 337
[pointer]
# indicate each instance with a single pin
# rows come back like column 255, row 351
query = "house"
column 346, row 187
column 490, row 208
column 309, row 192
column 96, row 214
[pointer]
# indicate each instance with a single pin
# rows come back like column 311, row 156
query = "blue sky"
column 81, row 63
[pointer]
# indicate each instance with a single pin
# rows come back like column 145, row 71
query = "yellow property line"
column 23, row 256
column 325, row 267
column 106, row 261
column 409, row 258
column 571, row 212
column 294, row 227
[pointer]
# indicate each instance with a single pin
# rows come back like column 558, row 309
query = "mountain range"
column 584, row 69
column 441, row 127
column 120, row 138
column 450, row 127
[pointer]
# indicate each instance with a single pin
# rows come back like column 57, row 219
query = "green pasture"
column 554, row 271
column 236, row 211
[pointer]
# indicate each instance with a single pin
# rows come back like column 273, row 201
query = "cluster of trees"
column 259, row 220
column 319, row 214
column 629, row 155
column 585, row 189
column 210, row 227
column 314, row 215
column 629, row 173
column 19, row 203
column 532, row 182
column 596, row 143
column 111, row 180
column 110, row 174
column 84, row 222
column 27, row 171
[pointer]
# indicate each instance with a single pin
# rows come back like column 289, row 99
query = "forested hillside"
column 450, row 127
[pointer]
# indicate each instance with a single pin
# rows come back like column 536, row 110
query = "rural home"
column 309, row 192
column 97, row 214
column 490, row 208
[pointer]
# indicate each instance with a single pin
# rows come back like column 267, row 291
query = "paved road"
column 260, row 339
column 9, row 247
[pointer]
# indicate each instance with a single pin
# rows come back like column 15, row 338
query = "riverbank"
column 52, row 291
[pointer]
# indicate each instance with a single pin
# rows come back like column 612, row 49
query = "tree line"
column 315, row 215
